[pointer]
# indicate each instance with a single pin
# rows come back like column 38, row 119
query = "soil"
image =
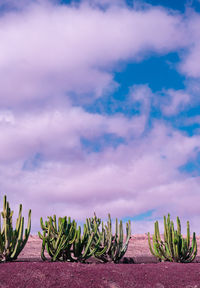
column 137, row 269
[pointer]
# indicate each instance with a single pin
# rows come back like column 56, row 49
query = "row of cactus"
column 12, row 241
column 174, row 247
column 64, row 241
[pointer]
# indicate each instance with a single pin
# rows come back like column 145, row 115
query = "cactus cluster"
column 57, row 237
column 114, row 244
column 66, row 243
column 12, row 241
column 174, row 248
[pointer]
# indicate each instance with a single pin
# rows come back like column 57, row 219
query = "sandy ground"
column 144, row 271
column 138, row 250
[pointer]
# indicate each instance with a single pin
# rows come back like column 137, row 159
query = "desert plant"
column 174, row 248
column 64, row 241
column 88, row 244
column 12, row 241
column 114, row 245
column 57, row 238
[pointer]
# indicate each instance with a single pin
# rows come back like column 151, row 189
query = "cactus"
column 65, row 243
column 113, row 245
column 12, row 241
column 174, row 248
column 87, row 245
column 57, row 238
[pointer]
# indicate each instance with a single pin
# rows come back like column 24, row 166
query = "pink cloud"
column 177, row 101
column 191, row 57
column 125, row 181
column 58, row 49
column 36, row 132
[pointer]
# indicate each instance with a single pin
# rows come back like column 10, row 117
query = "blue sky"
column 100, row 108
column 175, row 5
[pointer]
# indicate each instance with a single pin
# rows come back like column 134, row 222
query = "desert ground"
column 137, row 269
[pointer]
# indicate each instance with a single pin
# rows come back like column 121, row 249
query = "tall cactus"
column 114, row 245
column 174, row 248
column 12, row 241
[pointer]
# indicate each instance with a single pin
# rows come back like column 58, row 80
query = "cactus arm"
column 150, row 246
column 22, row 242
column 19, row 218
column 49, row 248
column 118, row 242
column 178, row 226
column 100, row 253
column 43, row 249
column 169, row 242
column 128, row 237
column 55, row 223
column 188, row 234
column 59, row 248
column 96, row 250
column 72, row 233
column 19, row 239
column 44, row 227
column 88, row 246
column 193, row 250
column 118, row 252
column 40, row 235
column 165, row 230
column 158, row 243
column 174, row 242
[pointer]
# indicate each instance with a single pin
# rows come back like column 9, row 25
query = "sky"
column 100, row 109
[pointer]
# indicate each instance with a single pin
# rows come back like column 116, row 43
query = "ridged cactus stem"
column 12, row 241
column 174, row 248
column 188, row 234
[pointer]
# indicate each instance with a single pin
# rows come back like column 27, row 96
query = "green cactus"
column 174, row 248
column 113, row 245
column 64, row 241
column 87, row 245
column 12, row 241
column 57, row 239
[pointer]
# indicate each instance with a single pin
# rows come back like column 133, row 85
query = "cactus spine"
column 174, row 248
column 12, row 241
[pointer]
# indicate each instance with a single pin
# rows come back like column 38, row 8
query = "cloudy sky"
column 100, row 109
